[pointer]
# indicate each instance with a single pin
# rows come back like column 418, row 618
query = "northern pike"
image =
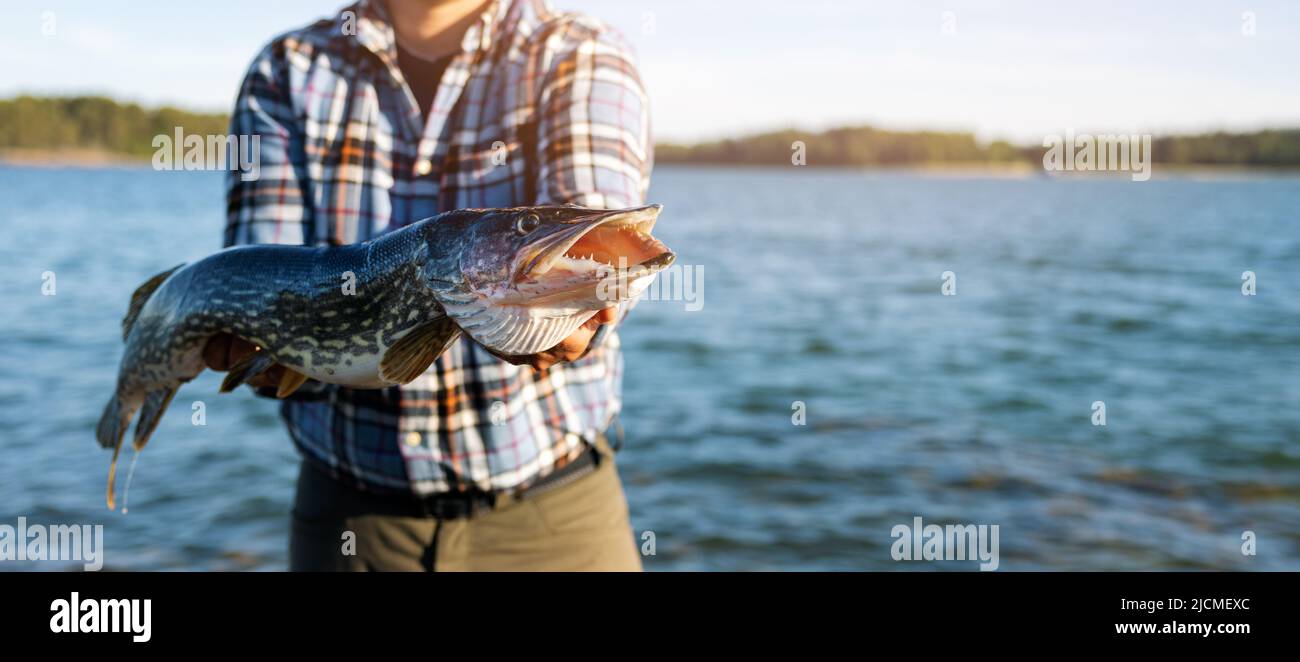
column 377, row 314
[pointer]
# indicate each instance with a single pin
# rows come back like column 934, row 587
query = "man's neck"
column 432, row 29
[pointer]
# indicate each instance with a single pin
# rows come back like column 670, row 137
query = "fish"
column 377, row 314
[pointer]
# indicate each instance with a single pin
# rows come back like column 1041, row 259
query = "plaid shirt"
column 536, row 108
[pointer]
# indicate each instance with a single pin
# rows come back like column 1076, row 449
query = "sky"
column 1016, row 70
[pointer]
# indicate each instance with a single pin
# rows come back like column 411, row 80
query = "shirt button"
column 423, row 167
column 412, row 438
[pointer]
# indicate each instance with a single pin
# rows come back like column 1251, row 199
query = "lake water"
column 821, row 288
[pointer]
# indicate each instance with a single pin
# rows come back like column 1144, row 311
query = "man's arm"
column 593, row 150
column 271, row 208
column 594, row 146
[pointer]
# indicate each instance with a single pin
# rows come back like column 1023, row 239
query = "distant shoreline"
column 69, row 158
column 90, row 131
column 103, row 159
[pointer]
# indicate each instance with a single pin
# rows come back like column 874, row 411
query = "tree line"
column 128, row 129
column 95, row 123
column 869, row 146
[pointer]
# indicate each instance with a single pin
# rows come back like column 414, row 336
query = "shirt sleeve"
column 594, row 145
column 266, row 203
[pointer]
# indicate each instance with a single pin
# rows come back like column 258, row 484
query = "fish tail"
column 112, row 424
column 110, row 496
column 110, row 432
column 155, row 404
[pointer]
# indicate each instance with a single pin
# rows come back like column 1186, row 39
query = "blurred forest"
column 867, row 146
column 53, row 124
column 87, row 123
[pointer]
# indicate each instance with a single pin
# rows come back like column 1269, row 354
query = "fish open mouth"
column 608, row 243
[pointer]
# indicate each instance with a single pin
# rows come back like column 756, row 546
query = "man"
column 392, row 112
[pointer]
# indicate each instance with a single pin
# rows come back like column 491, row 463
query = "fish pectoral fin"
column 247, row 367
column 155, row 404
column 291, row 381
column 409, row 357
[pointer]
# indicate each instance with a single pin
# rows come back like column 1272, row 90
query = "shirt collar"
column 374, row 29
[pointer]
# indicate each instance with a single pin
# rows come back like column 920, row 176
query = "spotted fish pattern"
column 367, row 315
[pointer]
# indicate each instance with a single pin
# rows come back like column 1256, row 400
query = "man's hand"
column 223, row 350
column 569, row 349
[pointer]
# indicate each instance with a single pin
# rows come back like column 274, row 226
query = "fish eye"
column 527, row 224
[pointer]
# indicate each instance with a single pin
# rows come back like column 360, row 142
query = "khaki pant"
column 582, row 525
